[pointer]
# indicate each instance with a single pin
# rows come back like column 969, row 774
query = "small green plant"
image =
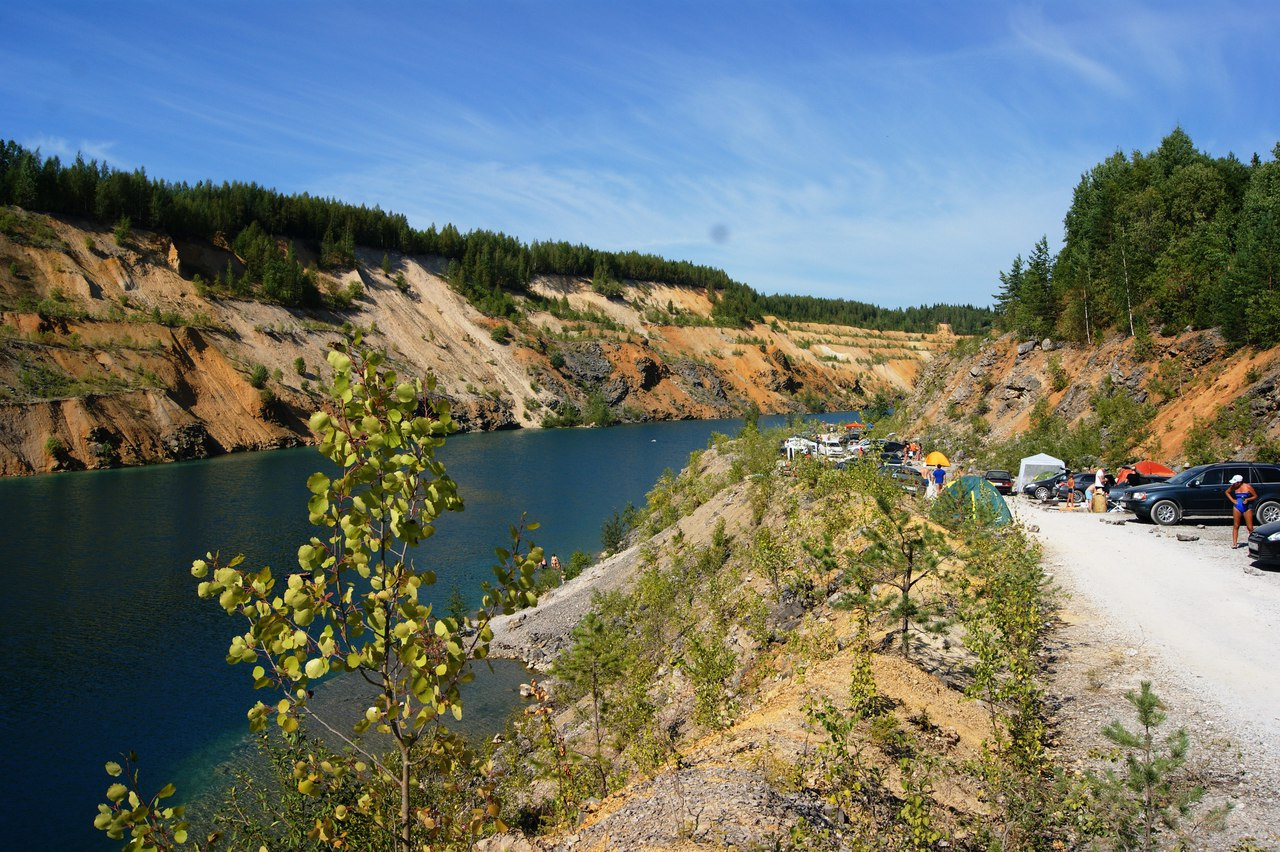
column 500, row 334
column 904, row 551
column 122, row 231
column 355, row 608
column 579, row 561
column 614, row 531
column 258, row 376
column 127, row 810
column 1058, row 379
column 53, row 447
column 300, row 366
column 1150, row 793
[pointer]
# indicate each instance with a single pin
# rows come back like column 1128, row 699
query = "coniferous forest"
column 484, row 266
column 1158, row 242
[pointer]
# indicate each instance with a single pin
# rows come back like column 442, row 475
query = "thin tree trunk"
column 1088, row 333
column 1128, row 296
column 906, row 616
column 406, row 835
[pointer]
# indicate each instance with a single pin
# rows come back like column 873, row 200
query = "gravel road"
column 1199, row 620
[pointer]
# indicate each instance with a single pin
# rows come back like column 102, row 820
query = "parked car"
column 1264, row 543
column 910, row 479
column 1085, row 479
column 1001, row 479
column 1043, row 489
column 1199, row 492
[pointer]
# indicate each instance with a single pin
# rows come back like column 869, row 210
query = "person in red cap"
column 1241, row 495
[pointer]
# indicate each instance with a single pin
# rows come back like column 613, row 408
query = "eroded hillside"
column 116, row 352
column 1185, row 398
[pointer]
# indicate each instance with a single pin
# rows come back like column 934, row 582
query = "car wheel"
column 1166, row 513
column 1080, row 495
column 1267, row 513
column 1042, row 493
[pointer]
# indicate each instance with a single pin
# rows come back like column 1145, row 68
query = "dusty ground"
column 1195, row 618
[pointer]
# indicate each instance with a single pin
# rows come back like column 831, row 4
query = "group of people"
column 1241, row 494
column 1099, row 484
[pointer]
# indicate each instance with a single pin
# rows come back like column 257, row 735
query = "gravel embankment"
column 1196, row 618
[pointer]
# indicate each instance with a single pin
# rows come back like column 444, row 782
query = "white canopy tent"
column 795, row 445
column 1037, row 467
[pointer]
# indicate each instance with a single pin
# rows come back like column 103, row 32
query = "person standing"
column 1241, row 495
column 1071, row 490
column 937, row 478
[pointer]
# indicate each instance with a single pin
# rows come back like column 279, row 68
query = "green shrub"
column 123, row 230
column 616, row 526
column 258, row 376
column 578, row 562
column 500, row 334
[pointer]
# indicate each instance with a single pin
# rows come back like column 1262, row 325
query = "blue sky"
column 899, row 153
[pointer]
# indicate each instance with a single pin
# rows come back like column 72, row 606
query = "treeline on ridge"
column 1158, row 241
column 484, row 266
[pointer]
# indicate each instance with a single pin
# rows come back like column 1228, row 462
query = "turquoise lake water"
column 105, row 648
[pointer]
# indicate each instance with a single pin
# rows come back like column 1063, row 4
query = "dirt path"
column 1199, row 621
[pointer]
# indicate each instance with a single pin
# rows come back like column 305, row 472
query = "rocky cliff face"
column 112, row 354
column 1204, row 396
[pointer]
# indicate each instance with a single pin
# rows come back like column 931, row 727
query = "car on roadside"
column 1085, row 480
column 1264, row 544
column 908, row 478
column 1043, row 489
column 1002, row 480
column 1200, row 492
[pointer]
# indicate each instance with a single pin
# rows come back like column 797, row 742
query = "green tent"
column 973, row 498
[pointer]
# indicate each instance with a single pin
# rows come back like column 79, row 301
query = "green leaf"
column 166, row 791
column 113, row 769
column 117, row 792
column 317, row 483
column 340, row 362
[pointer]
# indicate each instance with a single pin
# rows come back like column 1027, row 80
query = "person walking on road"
column 1241, row 495
column 936, row 480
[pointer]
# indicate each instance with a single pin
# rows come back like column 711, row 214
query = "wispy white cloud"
column 1055, row 44
column 889, row 153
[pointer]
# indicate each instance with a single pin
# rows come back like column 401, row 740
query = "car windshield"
column 1000, row 474
column 1187, row 475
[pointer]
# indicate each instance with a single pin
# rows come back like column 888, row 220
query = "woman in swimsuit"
column 1241, row 495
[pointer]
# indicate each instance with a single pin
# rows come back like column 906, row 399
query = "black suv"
column 1199, row 491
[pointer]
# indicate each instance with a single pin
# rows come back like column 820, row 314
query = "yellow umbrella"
column 937, row 458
